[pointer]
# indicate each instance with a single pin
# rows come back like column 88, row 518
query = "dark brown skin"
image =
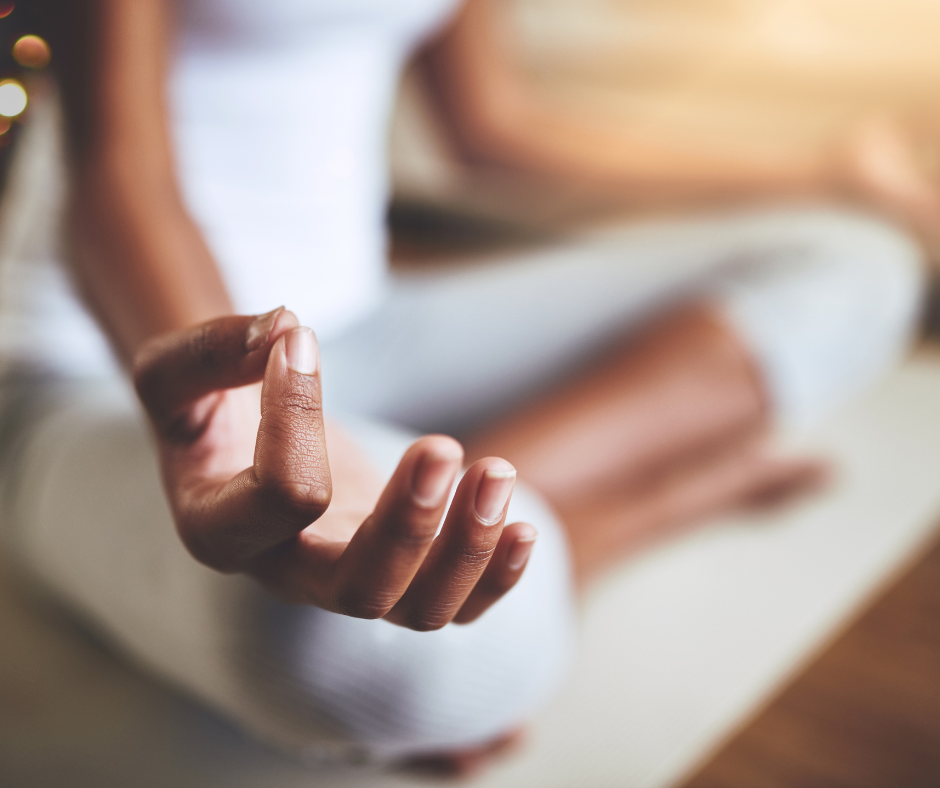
column 682, row 385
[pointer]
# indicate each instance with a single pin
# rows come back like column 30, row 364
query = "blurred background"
column 834, row 678
column 842, row 94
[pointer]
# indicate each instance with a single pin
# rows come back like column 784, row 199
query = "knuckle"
column 292, row 445
column 297, row 500
column 471, row 557
column 202, row 346
column 299, row 404
column 410, row 534
column 357, row 604
column 428, row 619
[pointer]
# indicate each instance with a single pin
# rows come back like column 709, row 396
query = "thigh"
column 450, row 349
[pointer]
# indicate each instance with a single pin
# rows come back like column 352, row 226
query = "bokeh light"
column 4, row 125
column 12, row 98
column 32, row 51
column 5, row 9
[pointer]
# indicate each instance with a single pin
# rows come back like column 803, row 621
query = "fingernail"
column 433, row 479
column 494, row 491
column 260, row 328
column 303, row 356
column 519, row 553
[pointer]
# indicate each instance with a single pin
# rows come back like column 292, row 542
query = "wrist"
column 138, row 259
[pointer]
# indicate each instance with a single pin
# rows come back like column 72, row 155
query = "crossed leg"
column 632, row 376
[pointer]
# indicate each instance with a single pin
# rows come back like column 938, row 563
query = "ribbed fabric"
column 90, row 524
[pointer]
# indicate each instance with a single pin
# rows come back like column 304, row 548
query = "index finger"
column 174, row 370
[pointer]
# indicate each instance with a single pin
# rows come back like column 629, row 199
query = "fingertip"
column 301, row 350
column 432, row 477
column 520, row 549
column 521, row 531
column 497, row 477
column 264, row 330
column 284, row 322
column 496, row 468
column 441, row 447
column 259, row 329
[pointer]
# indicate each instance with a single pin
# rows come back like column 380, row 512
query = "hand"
column 262, row 519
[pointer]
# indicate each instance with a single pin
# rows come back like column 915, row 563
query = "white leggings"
column 825, row 300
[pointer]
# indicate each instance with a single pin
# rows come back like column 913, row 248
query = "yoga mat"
column 687, row 642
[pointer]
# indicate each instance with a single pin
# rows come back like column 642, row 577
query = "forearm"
column 137, row 256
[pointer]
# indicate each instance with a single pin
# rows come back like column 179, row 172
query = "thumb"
column 291, row 465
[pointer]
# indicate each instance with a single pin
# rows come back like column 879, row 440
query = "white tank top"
column 278, row 113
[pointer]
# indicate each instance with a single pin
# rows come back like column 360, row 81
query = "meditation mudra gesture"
column 247, row 508
column 309, row 565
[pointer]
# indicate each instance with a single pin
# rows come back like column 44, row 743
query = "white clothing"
column 825, row 299
column 279, row 116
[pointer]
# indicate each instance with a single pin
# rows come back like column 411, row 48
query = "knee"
column 394, row 692
column 837, row 265
column 833, row 303
column 880, row 270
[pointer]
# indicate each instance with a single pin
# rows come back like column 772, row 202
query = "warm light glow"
column 12, row 98
column 5, row 9
column 4, row 125
column 31, row 51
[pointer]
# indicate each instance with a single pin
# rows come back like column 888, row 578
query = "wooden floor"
column 865, row 714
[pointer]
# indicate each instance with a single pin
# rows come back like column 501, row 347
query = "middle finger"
column 390, row 546
column 461, row 553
